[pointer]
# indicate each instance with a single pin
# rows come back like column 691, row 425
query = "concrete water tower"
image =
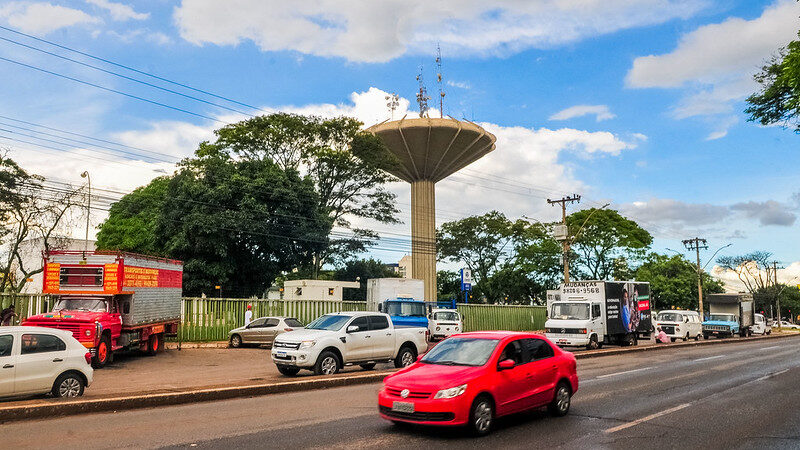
column 429, row 150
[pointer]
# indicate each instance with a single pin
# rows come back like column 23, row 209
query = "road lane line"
column 645, row 419
column 708, row 358
column 770, row 375
column 621, row 373
column 769, row 348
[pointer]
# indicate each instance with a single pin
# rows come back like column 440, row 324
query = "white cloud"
column 790, row 275
column 670, row 211
column 714, row 64
column 43, row 18
column 459, row 84
column 379, row 31
column 601, row 112
column 119, row 11
column 140, row 34
column 722, row 126
column 769, row 212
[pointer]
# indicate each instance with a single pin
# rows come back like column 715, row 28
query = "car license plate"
column 280, row 354
column 563, row 341
column 404, row 407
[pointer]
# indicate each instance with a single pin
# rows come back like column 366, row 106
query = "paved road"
column 742, row 395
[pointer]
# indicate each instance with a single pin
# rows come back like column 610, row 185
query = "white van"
column 760, row 326
column 680, row 324
column 443, row 323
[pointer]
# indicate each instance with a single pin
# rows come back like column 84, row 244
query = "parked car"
column 786, row 325
column 760, row 326
column 335, row 340
column 262, row 331
column 37, row 360
column 473, row 378
column 680, row 324
column 443, row 323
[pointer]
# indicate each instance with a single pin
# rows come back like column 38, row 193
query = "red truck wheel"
column 153, row 343
column 102, row 355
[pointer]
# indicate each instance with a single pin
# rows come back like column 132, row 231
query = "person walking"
column 248, row 315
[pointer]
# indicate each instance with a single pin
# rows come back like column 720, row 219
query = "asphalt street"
column 742, row 395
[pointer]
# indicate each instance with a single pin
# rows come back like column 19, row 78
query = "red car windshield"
column 461, row 352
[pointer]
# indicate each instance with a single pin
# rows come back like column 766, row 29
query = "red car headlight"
column 452, row 392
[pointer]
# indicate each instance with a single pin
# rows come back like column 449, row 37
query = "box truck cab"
column 730, row 314
column 592, row 313
column 400, row 298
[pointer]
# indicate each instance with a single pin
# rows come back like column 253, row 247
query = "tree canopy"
column 673, row 281
column 778, row 101
column 131, row 223
column 602, row 236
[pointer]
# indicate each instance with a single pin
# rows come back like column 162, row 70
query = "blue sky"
column 634, row 102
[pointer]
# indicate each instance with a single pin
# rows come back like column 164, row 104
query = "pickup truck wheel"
column 405, row 357
column 236, row 341
column 288, row 371
column 369, row 366
column 68, row 385
column 153, row 343
column 327, row 364
column 102, row 355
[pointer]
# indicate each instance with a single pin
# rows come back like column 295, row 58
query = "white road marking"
column 621, row 373
column 770, row 375
column 769, row 348
column 709, row 357
column 645, row 419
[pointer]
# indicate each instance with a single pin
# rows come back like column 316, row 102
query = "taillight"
column 88, row 357
column 582, row 331
column 288, row 329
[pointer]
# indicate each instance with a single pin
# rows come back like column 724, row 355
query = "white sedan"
column 37, row 360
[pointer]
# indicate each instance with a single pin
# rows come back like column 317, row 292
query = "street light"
column 715, row 254
column 85, row 174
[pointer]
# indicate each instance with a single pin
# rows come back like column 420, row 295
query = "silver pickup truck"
column 335, row 340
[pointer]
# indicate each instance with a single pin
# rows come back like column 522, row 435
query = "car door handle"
column 388, row 334
column 58, row 360
column 8, row 366
column 366, row 337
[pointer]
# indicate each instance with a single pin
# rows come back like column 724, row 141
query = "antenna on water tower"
column 439, row 79
column 422, row 95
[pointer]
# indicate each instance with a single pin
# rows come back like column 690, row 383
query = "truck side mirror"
column 380, row 307
column 352, row 328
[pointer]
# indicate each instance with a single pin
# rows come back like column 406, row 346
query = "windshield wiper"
column 447, row 363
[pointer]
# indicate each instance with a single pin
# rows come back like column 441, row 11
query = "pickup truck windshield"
column 446, row 316
column 723, row 317
column 80, row 304
column 328, row 322
column 415, row 309
column 461, row 352
column 570, row 311
column 670, row 317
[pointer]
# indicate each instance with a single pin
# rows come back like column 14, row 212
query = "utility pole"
column 696, row 244
column 565, row 243
column 777, row 294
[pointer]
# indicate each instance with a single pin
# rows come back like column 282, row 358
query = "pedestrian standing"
column 248, row 315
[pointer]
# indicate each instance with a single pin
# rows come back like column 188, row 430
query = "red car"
column 472, row 378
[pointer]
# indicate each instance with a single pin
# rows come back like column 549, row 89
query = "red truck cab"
column 112, row 301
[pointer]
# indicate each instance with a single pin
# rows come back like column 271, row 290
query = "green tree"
column 362, row 270
column 511, row 261
column 132, row 221
column 766, row 297
column 778, row 101
column 344, row 162
column 751, row 268
column 673, row 281
column 448, row 285
column 602, row 236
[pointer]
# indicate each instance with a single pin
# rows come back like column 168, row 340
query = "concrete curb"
column 215, row 344
column 52, row 408
column 654, row 347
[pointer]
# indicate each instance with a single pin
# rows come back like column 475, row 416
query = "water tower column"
column 423, row 235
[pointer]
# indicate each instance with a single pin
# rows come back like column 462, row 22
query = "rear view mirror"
column 380, row 307
column 506, row 364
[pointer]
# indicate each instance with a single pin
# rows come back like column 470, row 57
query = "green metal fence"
column 210, row 319
column 25, row 305
column 502, row 317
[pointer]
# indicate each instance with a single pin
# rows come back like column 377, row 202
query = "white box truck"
column 401, row 298
column 592, row 313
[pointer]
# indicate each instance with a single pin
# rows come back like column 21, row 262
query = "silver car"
column 262, row 331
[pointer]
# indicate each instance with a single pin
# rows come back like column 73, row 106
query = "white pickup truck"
column 335, row 340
